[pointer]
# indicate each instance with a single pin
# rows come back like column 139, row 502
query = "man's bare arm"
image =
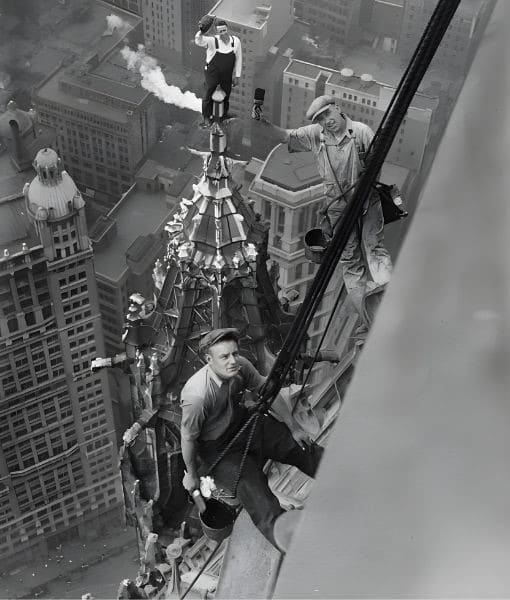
column 191, row 480
column 279, row 134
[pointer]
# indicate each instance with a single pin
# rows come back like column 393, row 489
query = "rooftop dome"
column 53, row 188
column 13, row 113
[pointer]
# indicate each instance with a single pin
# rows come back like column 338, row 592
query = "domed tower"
column 60, row 466
column 56, row 206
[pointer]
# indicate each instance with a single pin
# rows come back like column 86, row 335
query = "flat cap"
column 320, row 104
column 215, row 336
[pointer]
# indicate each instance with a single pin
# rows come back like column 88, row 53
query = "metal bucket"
column 315, row 245
column 217, row 520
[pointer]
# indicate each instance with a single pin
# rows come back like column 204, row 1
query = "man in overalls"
column 223, row 63
column 339, row 145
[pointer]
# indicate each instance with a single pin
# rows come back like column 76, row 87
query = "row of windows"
column 77, row 317
column 40, row 489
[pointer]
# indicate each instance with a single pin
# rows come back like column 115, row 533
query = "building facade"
column 58, row 473
column 172, row 24
column 337, row 20
column 457, row 46
column 362, row 99
column 105, row 121
column 134, row 6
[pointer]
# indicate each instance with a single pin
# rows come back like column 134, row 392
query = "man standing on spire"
column 223, row 63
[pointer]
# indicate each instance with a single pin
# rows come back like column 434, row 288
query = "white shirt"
column 207, row 41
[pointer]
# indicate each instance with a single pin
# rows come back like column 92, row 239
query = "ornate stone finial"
column 48, row 167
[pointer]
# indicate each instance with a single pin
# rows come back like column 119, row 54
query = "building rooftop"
column 354, row 82
column 291, row 171
column 89, row 33
column 11, row 181
column 172, row 151
column 250, row 13
column 294, row 37
column 138, row 213
column 52, row 91
column 112, row 77
column 304, row 69
column 15, row 228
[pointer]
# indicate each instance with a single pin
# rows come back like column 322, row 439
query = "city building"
column 337, row 20
column 269, row 76
column 383, row 20
column 259, row 25
column 170, row 25
column 362, row 99
column 288, row 191
column 105, row 120
column 457, row 46
column 58, row 467
column 134, row 6
column 128, row 239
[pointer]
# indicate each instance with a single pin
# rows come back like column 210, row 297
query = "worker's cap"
column 216, row 335
column 318, row 106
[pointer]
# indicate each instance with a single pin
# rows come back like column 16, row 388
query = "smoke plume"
column 154, row 81
column 308, row 40
column 115, row 23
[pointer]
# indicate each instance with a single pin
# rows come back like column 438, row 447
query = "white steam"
column 115, row 23
column 308, row 40
column 154, row 81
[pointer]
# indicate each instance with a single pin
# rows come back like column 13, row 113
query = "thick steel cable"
column 386, row 133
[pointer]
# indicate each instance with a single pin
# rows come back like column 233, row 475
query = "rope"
column 245, row 453
column 387, row 131
column 253, row 420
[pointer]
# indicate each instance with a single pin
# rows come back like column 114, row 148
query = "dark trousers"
column 272, row 440
column 214, row 76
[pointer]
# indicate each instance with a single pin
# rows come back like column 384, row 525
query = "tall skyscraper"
column 58, row 472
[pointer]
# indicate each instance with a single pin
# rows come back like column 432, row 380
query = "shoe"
column 228, row 116
column 205, row 124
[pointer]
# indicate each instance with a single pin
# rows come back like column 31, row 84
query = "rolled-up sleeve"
column 193, row 416
column 304, row 139
column 205, row 41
